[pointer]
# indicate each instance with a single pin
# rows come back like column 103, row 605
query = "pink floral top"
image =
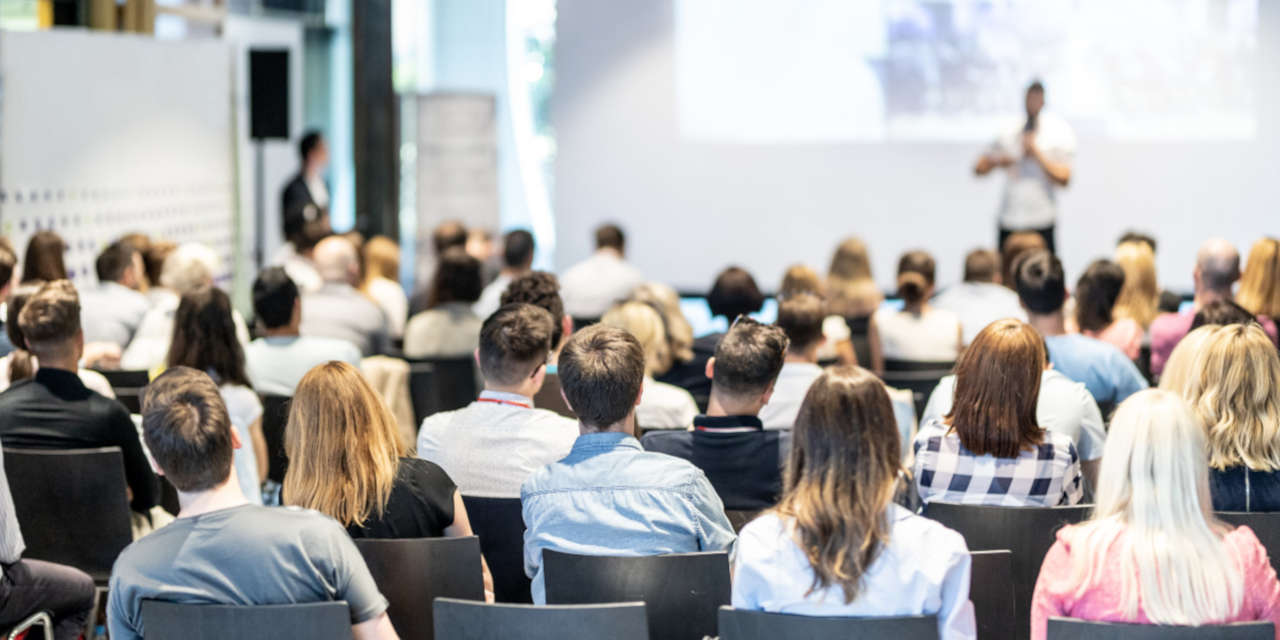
column 1125, row 333
column 1055, row 594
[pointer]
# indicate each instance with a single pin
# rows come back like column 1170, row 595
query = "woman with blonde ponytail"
column 1153, row 553
column 918, row 332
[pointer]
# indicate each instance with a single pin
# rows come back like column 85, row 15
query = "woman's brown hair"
column 44, row 258
column 997, row 385
column 204, row 337
column 342, row 444
column 22, row 364
column 841, row 476
column 915, row 276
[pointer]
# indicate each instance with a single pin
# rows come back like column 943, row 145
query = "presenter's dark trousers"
column 1045, row 232
column 30, row 586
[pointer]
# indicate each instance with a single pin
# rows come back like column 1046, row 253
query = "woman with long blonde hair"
column 1153, row 553
column 851, row 290
column 381, row 259
column 1181, row 364
column 1139, row 298
column 837, row 544
column 1260, row 284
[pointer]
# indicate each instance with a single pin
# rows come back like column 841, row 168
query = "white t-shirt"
column 788, row 393
column 390, row 297
column 1030, row 200
column 932, row 336
column 592, row 286
column 665, row 406
column 244, row 408
column 978, row 304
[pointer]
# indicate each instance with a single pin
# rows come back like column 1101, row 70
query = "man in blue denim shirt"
column 609, row 496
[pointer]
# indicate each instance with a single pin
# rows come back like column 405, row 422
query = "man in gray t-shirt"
column 222, row 550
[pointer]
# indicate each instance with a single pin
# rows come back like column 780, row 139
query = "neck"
column 287, row 331
column 627, row 426
column 223, row 496
column 65, row 363
column 525, row 389
column 514, row 272
column 1209, row 296
column 1049, row 324
column 918, row 307
column 808, row 356
column 721, row 405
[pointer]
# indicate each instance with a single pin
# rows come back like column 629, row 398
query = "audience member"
column 542, row 289
column 443, row 324
column 141, row 243
column 1167, row 301
column 277, row 361
column 1139, row 298
column 8, row 269
column 919, row 332
column 113, row 310
column 852, row 292
column 1012, row 249
column 450, row 234
column 837, row 345
column 44, row 259
column 666, row 301
column 1096, row 294
column 21, row 364
column 801, row 318
column 729, row 443
column 609, row 496
column 734, row 294
column 382, row 282
column 990, row 449
column 837, row 545
column 1153, row 553
column 204, row 338
column 1217, row 269
column 1109, row 375
column 517, row 259
column 1180, row 367
column 221, row 549
column 595, row 284
column 153, row 258
column 1260, row 284
column 492, row 445
column 981, row 299
column 305, row 198
column 54, row 409
column 662, row 405
column 338, row 310
column 300, row 264
column 1220, row 313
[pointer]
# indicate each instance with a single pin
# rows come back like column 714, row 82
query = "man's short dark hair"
column 981, row 265
column 458, row 277
column 749, row 358
column 1222, row 313
column 186, row 427
column 517, row 249
column 310, row 140
column 734, row 293
column 800, row 317
column 601, row 372
column 114, row 261
column 51, row 318
column 8, row 263
column 514, row 342
column 1036, row 86
column 540, row 289
column 448, row 235
column 274, row 295
column 1137, row 236
column 610, row 236
column 1040, row 282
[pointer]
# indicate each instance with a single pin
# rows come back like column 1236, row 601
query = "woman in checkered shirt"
column 989, row 449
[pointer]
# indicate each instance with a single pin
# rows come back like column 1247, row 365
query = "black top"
column 293, row 204
column 54, row 410
column 743, row 461
column 692, row 375
column 1242, row 489
column 420, row 506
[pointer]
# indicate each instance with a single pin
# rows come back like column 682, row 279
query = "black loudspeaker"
column 269, row 93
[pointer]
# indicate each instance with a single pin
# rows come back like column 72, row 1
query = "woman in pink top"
column 1096, row 294
column 1153, row 553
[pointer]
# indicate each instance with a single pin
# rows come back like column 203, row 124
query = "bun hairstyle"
column 915, row 276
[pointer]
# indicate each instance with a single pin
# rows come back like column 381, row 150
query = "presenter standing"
column 1036, row 154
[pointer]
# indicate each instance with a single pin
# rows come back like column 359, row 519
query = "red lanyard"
column 506, row 402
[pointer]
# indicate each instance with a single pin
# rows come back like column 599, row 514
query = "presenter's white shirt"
column 1030, row 195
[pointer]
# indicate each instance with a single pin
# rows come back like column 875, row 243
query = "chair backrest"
column 1069, row 629
column 740, row 518
column 463, row 620
column 275, row 415
column 72, row 505
column 500, row 525
column 919, row 378
column 128, row 386
column 441, row 384
column 991, row 591
column 1265, row 525
column 313, row 620
column 681, row 592
column 1026, row 531
column 860, row 336
column 413, row 572
column 737, row 624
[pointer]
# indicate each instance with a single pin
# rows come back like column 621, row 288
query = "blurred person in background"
column 1140, row 296
column 592, row 286
column 153, row 258
column 733, row 294
column 382, row 282
column 338, row 310
column 306, row 197
column 278, row 359
column 981, row 298
column 837, row 345
column 1260, row 284
column 44, row 258
column 112, row 310
column 919, row 332
column 517, row 259
column 1096, row 294
column 662, row 405
column 447, row 327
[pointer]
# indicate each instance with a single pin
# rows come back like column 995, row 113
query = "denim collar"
column 589, row 444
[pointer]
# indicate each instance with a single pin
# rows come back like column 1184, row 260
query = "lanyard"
column 506, row 402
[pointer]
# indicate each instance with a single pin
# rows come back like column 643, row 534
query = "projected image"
column 832, row 70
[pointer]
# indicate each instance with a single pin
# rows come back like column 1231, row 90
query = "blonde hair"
column 1154, row 488
column 679, row 331
column 342, row 444
column 1232, row 388
column 1260, row 284
column 1180, row 365
column 643, row 322
column 1140, row 296
column 381, row 260
column 798, row 279
column 850, row 287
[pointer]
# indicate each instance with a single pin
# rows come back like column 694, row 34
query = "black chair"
column 463, row 620
column 860, row 336
column 740, row 518
column 1265, row 525
column 441, row 384
column 991, row 591
column 500, row 525
column 1027, row 531
column 919, row 378
column 275, row 415
column 128, row 386
column 413, row 572
column 737, row 624
column 72, row 505
column 1069, row 629
column 314, row 621
column 681, row 592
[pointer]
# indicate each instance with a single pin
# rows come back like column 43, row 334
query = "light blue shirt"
column 610, row 497
column 1108, row 374
column 111, row 312
column 276, row 364
column 979, row 304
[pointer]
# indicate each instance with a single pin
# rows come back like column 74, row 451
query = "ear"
column 539, row 375
column 566, row 400
column 711, row 368
column 566, row 326
column 476, row 355
column 768, row 393
column 640, row 396
column 235, row 439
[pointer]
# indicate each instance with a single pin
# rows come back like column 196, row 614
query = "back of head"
column 851, row 261
column 646, row 324
column 450, row 234
column 1140, row 297
column 1013, row 249
column 274, row 296
column 8, row 264
column 665, row 299
column 982, row 265
column 187, row 429
column 458, row 278
column 1221, row 313
column 1040, row 282
column 840, row 479
column 204, row 337
column 114, row 260
column 748, row 358
column 1260, row 284
column 337, row 261
column 311, row 234
column 915, row 276
column 44, row 259
column 1218, row 266
column 997, row 387
column 801, row 317
column 601, row 371
column 343, row 445
column 1096, row 293
column 610, row 236
column 514, row 342
column 800, row 279
column 153, row 259
column 189, row 267
column 1139, row 237
column 311, row 140
column 540, row 289
column 1232, row 389
column 517, row 249
column 382, row 259
column 734, row 293
column 50, row 320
